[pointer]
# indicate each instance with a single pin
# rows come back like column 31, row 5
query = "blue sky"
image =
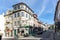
column 45, row 9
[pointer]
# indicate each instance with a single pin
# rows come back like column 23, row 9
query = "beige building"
column 18, row 18
column 35, row 20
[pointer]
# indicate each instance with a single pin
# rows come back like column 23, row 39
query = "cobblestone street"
column 48, row 35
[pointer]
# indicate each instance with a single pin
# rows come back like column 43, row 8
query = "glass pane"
column 18, row 14
column 14, row 32
column 15, row 15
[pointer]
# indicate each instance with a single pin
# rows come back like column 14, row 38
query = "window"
column 22, row 13
column 18, row 6
column 15, row 15
column 29, row 11
column 15, row 7
column 18, row 22
column 26, row 8
column 59, row 15
column 26, row 15
column 22, row 31
column 18, row 15
column 15, row 23
column 14, row 31
column 29, row 16
column 34, row 25
column 22, row 7
column 18, row 30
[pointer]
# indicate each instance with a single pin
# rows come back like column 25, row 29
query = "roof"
column 23, row 4
column 40, row 22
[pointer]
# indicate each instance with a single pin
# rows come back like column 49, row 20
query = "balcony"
column 7, row 22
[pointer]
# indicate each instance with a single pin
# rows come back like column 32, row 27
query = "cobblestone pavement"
column 57, row 36
column 50, row 35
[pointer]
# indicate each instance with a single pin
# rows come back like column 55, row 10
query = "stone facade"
column 17, row 19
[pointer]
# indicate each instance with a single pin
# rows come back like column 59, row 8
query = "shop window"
column 18, row 30
column 22, row 31
column 15, row 32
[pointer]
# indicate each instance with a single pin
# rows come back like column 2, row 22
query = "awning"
column 26, row 26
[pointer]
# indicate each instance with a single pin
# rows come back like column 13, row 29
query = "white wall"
column 2, row 23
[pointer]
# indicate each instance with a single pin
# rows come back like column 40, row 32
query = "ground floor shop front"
column 23, row 32
column 18, row 32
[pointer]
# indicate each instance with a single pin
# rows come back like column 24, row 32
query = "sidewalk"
column 32, row 38
column 7, row 37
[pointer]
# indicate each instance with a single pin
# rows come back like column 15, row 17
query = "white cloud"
column 29, row 2
column 40, row 12
column 45, row 2
column 49, row 11
column 54, row 2
column 45, row 20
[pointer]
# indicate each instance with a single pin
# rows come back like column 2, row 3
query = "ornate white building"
column 18, row 20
